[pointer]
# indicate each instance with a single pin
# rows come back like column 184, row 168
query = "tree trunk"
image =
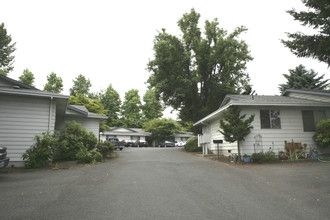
column 239, row 151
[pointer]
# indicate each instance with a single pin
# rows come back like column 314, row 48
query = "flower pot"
column 247, row 159
column 315, row 154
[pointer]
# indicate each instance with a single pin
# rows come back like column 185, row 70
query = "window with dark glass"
column 308, row 120
column 270, row 119
column 311, row 118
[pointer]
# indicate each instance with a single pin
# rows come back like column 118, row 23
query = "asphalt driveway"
column 153, row 183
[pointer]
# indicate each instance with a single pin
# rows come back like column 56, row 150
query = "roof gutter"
column 203, row 120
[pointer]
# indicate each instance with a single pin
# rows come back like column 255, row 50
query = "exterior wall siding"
column 91, row 125
column 266, row 139
column 21, row 118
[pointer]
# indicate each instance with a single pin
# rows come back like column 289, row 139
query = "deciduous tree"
column 151, row 109
column 193, row 73
column 94, row 106
column 6, row 50
column 161, row 129
column 314, row 45
column 27, row 77
column 54, row 83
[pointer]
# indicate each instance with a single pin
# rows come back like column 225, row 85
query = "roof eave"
column 305, row 92
column 212, row 115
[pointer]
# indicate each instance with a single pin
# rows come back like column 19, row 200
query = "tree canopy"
column 94, row 106
column 315, row 45
column 54, row 83
column 301, row 78
column 111, row 102
column 6, row 50
column 81, row 85
column 193, row 73
column 161, row 129
column 27, row 77
column 131, row 109
column 151, row 109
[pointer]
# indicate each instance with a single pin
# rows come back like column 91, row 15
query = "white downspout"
column 50, row 112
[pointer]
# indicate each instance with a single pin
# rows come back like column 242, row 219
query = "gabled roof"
column 122, row 131
column 21, row 89
column 257, row 100
column 16, row 83
column 83, row 110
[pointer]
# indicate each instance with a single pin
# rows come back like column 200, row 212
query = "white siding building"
column 290, row 117
column 123, row 133
column 81, row 115
column 26, row 112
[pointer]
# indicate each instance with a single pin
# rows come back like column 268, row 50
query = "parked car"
column 167, row 144
column 4, row 160
column 180, row 143
column 141, row 143
column 128, row 143
column 118, row 144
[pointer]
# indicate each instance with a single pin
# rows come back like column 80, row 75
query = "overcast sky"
column 111, row 41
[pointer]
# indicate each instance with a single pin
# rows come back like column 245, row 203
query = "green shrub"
column 257, row 157
column 73, row 142
column 269, row 156
column 263, row 157
column 105, row 148
column 40, row 154
column 85, row 156
column 74, row 137
column 322, row 135
column 192, row 145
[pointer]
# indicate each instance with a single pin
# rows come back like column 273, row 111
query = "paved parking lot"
column 153, row 183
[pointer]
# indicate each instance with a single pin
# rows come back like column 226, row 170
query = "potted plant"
column 246, row 158
column 314, row 152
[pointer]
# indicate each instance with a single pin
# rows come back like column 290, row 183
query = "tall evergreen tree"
column 234, row 127
column 81, row 85
column 131, row 109
column 111, row 101
column 6, row 50
column 316, row 45
column 193, row 73
column 27, row 77
column 300, row 78
column 54, row 83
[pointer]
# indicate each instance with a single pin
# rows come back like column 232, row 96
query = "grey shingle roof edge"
column 307, row 91
column 17, row 83
column 32, row 92
column 83, row 110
